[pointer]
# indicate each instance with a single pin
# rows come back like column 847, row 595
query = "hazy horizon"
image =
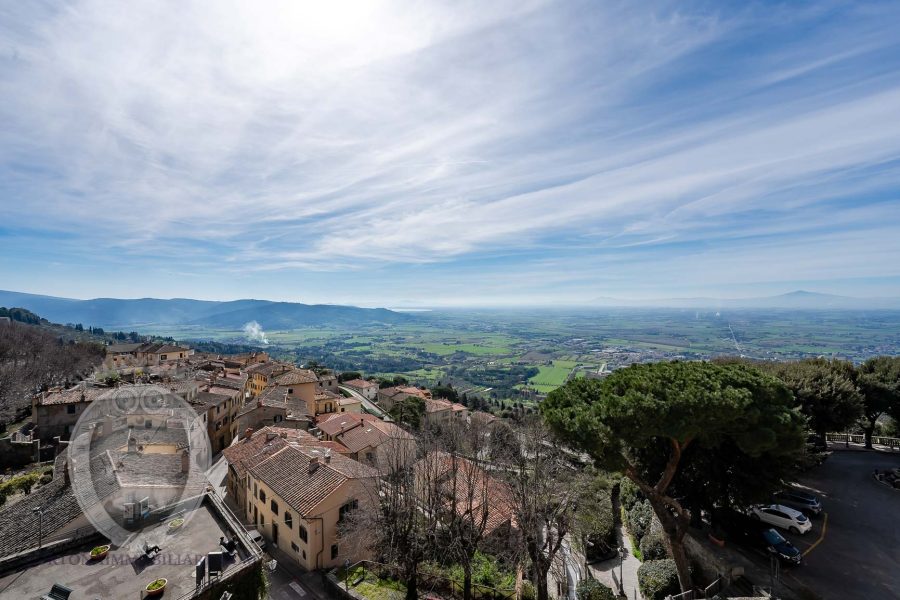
column 504, row 154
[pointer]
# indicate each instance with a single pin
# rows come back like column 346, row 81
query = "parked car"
column 782, row 516
column 803, row 501
column 257, row 537
column 751, row 533
column 775, row 544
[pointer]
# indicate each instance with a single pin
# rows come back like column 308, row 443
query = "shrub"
column 591, row 589
column 658, row 579
column 629, row 494
column 640, row 518
column 653, row 547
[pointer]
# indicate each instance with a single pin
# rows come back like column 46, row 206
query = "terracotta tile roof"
column 348, row 401
column 296, row 377
column 475, row 491
column 258, row 447
column 122, row 348
column 371, row 434
column 80, row 393
column 360, row 383
column 301, row 477
column 437, row 405
column 332, row 423
column 160, row 348
column 267, row 368
column 206, row 400
column 224, row 391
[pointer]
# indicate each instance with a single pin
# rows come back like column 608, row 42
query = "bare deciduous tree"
column 543, row 494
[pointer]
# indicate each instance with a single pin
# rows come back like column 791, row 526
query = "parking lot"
column 853, row 549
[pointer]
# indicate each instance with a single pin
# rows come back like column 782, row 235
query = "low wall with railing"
column 854, row 438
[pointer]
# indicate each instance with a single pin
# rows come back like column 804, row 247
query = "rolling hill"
column 113, row 313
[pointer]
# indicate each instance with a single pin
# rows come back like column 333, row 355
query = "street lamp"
column 40, row 513
column 621, row 562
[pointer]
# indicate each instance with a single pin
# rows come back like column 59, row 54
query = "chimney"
column 185, row 461
column 248, row 433
column 65, row 467
column 313, row 464
column 132, row 443
column 270, row 435
column 327, row 455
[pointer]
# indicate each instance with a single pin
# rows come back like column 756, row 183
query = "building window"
column 262, row 495
column 370, row 457
column 290, row 390
column 255, row 491
column 334, row 551
column 162, row 357
column 303, row 553
column 288, row 520
column 295, row 547
column 303, row 533
column 70, row 409
column 274, row 506
column 347, row 508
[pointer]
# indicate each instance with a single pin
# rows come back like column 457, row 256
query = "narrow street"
column 367, row 404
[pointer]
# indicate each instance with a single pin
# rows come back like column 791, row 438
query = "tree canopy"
column 642, row 420
column 825, row 390
column 878, row 380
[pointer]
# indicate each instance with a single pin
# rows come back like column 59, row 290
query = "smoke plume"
column 255, row 332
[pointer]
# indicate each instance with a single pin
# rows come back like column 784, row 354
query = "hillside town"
column 212, row 474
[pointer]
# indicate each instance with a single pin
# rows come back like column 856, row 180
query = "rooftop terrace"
column 124, row 573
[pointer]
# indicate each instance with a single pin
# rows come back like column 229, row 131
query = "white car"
column 782, row 516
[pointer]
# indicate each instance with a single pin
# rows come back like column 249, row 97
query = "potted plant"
column 155, row 588
column 175, row 523
column 100, row 552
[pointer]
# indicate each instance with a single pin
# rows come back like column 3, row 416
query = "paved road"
column 854, row 551
column 367, row 404
column 608, row 571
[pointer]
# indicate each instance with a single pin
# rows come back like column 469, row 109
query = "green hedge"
column 629, row 494
column 591, row 589
column 658, row 579
column 639, row 520
column 653, row 547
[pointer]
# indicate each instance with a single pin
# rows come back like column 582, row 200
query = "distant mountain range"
column 800, row 299
column 118, row 313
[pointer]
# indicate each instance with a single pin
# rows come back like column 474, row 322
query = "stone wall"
column 18, row 454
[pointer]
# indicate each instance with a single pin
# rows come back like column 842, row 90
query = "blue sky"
column 385, row 153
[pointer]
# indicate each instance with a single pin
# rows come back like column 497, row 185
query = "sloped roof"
column 289, row 474
column 360, row 383
column 332, row 423
column 79, row 393
column 371, row 434
column 297, row 377
column 477, row 495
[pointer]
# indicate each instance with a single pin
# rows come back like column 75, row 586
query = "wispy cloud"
column 327, row 142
